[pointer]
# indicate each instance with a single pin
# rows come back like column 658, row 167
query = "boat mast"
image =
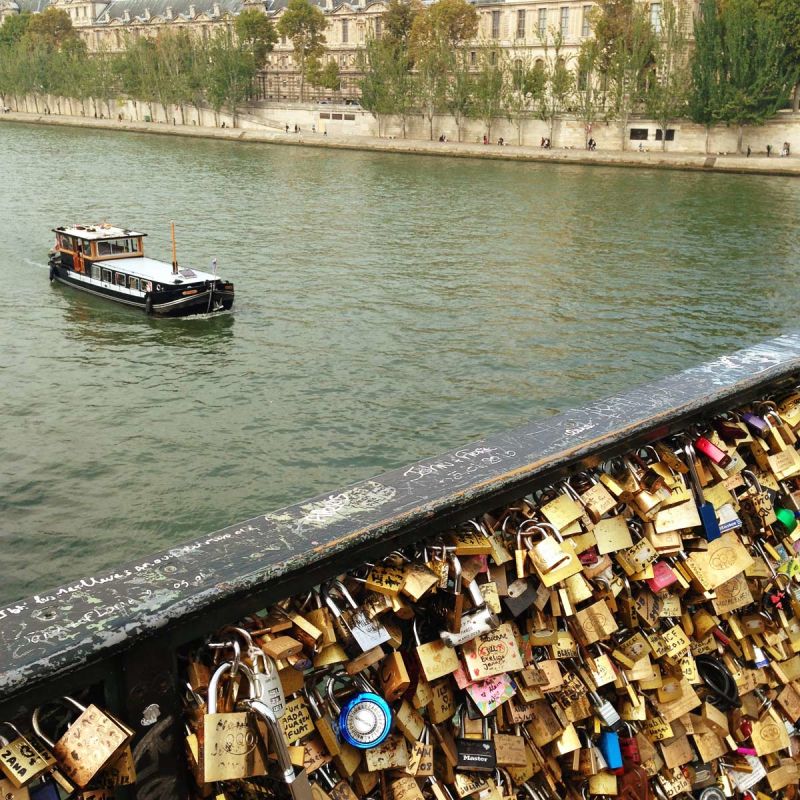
column 174, row 250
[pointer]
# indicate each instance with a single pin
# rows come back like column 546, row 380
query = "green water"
column 387, row 308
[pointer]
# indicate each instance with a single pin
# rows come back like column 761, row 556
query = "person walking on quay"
column 287, row 127
column 769, row 150
column 748, row 151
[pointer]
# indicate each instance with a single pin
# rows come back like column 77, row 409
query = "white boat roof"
column 100, row 231
column 158, row 271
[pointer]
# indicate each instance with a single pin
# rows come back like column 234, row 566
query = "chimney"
column 126, row 15
column 215, row 10
column 168, row 12
column 147, row 14
column 192, row 12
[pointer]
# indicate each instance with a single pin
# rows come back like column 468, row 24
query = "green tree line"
column 41, row 54
column 740, row 66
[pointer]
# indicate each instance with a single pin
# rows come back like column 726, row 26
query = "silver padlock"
column 366, row 633
column 475, row 622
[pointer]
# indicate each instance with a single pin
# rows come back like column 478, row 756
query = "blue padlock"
column 608, row 743
column 707, row 512
column 365, row 719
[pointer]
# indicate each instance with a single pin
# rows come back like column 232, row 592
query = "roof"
column 33, row 6
column 158, row 271
column 97, row 231
column 116, row 9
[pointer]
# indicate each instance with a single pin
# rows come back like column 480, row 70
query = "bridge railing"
column 120, row 631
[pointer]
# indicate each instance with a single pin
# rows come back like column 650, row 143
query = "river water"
column 388, row 307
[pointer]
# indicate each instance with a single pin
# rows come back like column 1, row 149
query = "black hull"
column 157, row 304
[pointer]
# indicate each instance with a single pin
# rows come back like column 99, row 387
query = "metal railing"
column 120, row 631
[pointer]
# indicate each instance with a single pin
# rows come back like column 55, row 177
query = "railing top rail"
column 90, row 619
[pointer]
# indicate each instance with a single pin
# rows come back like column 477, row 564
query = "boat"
column 109, row 261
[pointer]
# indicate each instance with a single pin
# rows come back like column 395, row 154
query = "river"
column 388, row 307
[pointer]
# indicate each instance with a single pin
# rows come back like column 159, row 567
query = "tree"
column 587, row 102
column 787, row 15
column 707, row 68
column 525, row 84
column 489, row 87
column 304, row 24
column 398, row 20
column 231, row 72
column 460, row 89
column 668, row 92
column 52, row 28
column 757, row 79
column 255, row 30
column 14, row 28
column 325, row 76
column 555, row 83
column 626, row 42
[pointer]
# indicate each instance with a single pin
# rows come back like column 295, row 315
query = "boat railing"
column 120, row 630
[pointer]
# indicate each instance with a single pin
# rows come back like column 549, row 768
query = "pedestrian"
column 296, row 128
column 313, row 128
column 485, row 139
column 769, row 150
column 287, row 127
column 748, row 151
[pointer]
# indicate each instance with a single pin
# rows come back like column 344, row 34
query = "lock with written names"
column 20, row 761
column 473, row 623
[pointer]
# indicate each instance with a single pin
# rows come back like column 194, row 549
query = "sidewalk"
column 759, row 165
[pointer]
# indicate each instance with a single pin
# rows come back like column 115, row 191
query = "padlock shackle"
column 227, row 666
column 36, row 724
column 279, row 744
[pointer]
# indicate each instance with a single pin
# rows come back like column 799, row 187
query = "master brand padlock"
column 365, row 719
column 475, row 755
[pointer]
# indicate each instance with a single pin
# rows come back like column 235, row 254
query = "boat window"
column 96, row 272
column 65, row 242
column 107, row 275
column 116, row 247
column 147, row 286
column 133, row 283
column 120, row 279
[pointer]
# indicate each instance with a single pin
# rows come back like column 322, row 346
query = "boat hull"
column 171, row 302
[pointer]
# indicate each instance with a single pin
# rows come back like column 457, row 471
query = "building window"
column 495, row 24
column 587, row 19
column 564, row 20
column 639, row 134
column 655, row 16
column 378, row 28
column 521, row 23
column 493, row 58
column 542, row 26
column 670, row 137
column 473, row 58
column 344, row 31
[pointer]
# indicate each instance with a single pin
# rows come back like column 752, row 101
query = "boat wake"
column 40, row 264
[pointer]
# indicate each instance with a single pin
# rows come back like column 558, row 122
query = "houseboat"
column 110, row 262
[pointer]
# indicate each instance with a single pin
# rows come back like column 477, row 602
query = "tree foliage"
column 255, row 31
column 304, row 24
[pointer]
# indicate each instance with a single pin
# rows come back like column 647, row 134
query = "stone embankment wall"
column 343, row 120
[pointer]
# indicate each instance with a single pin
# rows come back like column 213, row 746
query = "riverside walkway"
column 657, row 159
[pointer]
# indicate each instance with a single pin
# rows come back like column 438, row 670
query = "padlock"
column 359, row 634
column 436, row 659
column 478, row 621
column 475, row 755
column 547, row 554
column 91, row 742
column 20, row 761
column 297, row 783
column 708, row 516
column 365, row 719
column 420, row 759
column 231, row 745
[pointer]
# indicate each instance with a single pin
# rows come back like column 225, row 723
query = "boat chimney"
column 174, row 250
